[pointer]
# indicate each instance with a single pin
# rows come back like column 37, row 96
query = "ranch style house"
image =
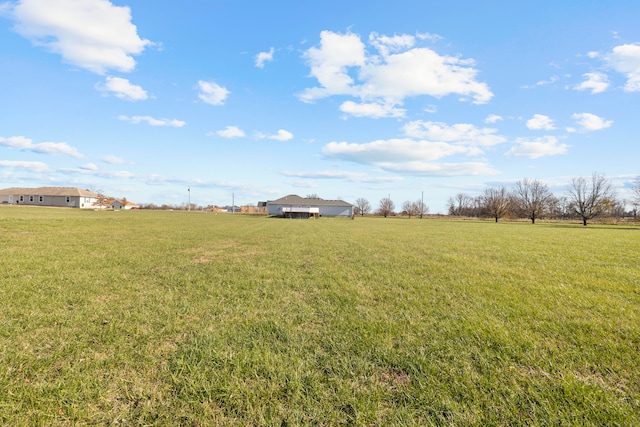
column 293, row 206
column 69, row 197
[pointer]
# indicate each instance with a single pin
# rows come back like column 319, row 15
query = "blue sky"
column 256, row 100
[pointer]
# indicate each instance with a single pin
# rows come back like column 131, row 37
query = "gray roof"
column 293, row 199
column 47, row 191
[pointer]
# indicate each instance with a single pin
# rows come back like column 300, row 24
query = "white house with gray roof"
column 69, row 197
column 294, row 206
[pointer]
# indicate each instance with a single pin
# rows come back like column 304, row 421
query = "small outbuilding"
column 294, row 206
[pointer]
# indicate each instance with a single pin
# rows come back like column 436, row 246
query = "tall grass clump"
column 187, row 318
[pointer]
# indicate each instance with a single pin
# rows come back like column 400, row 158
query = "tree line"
column 585, row 199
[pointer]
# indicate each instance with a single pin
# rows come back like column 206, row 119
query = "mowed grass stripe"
column 160, row 318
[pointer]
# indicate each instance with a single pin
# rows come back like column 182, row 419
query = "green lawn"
column 186, row 318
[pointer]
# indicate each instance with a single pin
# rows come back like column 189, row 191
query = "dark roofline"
column 294, row 199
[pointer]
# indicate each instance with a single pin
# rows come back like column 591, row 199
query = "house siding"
column 329, row 208
column 56, row 197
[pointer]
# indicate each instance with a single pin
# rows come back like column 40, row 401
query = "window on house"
column 22, row 198
column 68, row 199
column 41, row 199
column 31, row 198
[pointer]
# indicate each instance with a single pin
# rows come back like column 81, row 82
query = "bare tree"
column 590, row 199
column 410, row 209
column 460, row 205
column 363, row 207
column 496, row 202
column 636, row 190
column 102, row 201
column 532, row 198
column 420, row 208
column 386, row 207
column 312, row 196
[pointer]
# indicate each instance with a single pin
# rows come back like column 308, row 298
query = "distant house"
column 69, row 197
column 293, row 206
column 122, row 204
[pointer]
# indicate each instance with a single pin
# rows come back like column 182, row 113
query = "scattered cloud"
column 537, row 147
column 540, row 122
column 625, row 59
column 591, row 122
column 152, row 122
column 460, row 133
column 372, row 110
column 263, row 57
column 551, row 80
column 595, row 82
column 91, row 34
column 392, row 150
column 212, row 93
column 37, row 167
column 397, row 70
column 53, row 148
column 89, row 167
column 441, row 169
column 282, row 135
column 112, row 160
column 231, row 132
column 344, row 175
column 493, row 118
column 122, row 88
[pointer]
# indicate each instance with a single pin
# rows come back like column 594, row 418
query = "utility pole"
column 189, row 205
column 422, row 205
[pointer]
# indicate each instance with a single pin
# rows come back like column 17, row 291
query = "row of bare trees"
column 586, row 198
column 386, row 208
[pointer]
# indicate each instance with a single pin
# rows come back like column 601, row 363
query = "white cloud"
column 38, row 167
column 152, row 122
column 551, row 80
column 263, row 57
column 231, row 132
column 344, row 175
column 625, row 59
column 595, row 82
column 212, row 93
column 461, row 133
column 91, row 34
column 392, row 150
column 540, row 122
column 123, row 89
column 538, row 147
column 282, row 135
column 89, row 167
column 591, row 122
column 343, row 66
column 493, row 118
column 54, row 148
column 372, row 110
column 440, row 169
column 112, row 160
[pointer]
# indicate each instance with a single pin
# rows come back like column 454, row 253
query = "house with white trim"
column 69, row 197
column 124, row 204
column 294, row 206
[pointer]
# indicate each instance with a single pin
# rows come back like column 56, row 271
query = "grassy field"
column 186, row 318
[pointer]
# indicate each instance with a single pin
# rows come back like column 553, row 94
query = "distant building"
column 293, row 206
column 122, row 204
column 69, row 197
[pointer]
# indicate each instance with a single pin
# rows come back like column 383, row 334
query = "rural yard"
column 191, row 318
